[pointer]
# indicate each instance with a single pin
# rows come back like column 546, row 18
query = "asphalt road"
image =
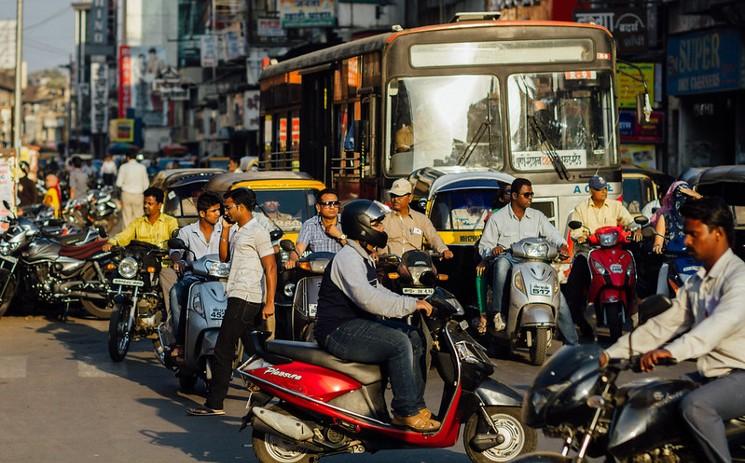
column 62, row 400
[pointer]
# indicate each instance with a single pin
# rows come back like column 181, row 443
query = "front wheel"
column 10, row 292
column 120, row 336
column 513, row 439
column 539, row 347
column 99, row 308
column 614, row 316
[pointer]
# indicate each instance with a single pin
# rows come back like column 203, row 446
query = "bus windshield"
column 443, row 121
column 561, row 120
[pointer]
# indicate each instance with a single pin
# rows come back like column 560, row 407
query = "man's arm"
column 578, row 214
column 269, row 263
column 125, row 236
column 623, row 216
column 120, row 176
column 225, row 242
column 550, row 232
column 490, row 236
column 430, row 233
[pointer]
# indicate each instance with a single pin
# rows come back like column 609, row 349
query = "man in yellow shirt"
column 155, row 228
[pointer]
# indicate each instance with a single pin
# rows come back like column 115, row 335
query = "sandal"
column 417, row 422
column 205, row 411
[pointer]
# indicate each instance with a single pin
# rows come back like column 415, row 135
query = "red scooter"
column 612, row 276
column 307, row 403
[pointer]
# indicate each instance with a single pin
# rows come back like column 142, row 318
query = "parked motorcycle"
column 612, row 268
column 98, row 209
column 574, row 399
column 533, row 298
column 296, row 314
column 50, row 271
column 311, row 404
column 136, row 298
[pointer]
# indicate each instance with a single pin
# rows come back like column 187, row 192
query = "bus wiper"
column 468, row 151
column 548, row 149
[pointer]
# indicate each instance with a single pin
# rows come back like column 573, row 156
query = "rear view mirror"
column 6, row 204
column 287, row 245
column 177, row 243
column 643, row 108
column 275, row 235
column 652, row 306
column 641, row 220
column 575, row 224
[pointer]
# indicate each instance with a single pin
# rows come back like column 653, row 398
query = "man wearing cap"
column 594, row 212
column 408, row 229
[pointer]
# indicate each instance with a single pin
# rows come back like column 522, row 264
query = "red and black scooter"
column 612, row 276
column 308, row 403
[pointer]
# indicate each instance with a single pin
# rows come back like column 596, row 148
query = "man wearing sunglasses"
column 321, row 233
column 507, row 226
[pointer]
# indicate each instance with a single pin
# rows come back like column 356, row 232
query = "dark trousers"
column 575, row 291
column 394, row 344
column 241, row 318
column 178, row 296
column 707, row 408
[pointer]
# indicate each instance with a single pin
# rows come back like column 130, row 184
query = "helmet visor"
column 376, row 211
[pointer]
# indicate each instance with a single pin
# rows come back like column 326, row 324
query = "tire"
column 614, row 315
column 272, row 448
column 99, row 308
column 519, row 439
column 539, row 347
column 119, row 337
column 10, row 293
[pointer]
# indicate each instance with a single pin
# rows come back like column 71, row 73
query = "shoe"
column 498, row 323
column 417, row 422
column 205, row 411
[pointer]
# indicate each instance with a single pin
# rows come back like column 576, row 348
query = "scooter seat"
column 310, row 352
column 82, row 252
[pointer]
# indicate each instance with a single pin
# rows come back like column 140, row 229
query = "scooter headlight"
column 536, row 250
column 608, row 239
column 520, row 282
column 218, row 269
column 128, row 268
column 598, row 267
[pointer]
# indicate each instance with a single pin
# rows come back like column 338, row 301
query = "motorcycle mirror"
column 287, row 245
column 652, row 306
column 177, row 243
column 574, row 224
column 641, row 220
column 6, row 204
column 275, row 234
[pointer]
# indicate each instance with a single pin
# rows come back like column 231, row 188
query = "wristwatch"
column 343, row 237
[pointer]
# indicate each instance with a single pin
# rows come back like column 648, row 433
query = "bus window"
column 569, row 112
column 443, row 121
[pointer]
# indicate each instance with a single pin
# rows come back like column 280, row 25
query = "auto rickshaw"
column 728, row 183
column 643, row 188
column 182, row 188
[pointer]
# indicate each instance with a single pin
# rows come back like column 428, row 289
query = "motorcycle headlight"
column 218, row 269
column 128, row 268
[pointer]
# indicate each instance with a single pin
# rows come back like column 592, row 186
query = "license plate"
column 418, row 291
column 540, row 290
column 217, row 314
column 122, row 281
column 312, row 309
column 616, row 268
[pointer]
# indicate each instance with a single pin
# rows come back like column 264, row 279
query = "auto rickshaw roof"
column 692, row 175
column 470, row 180
column 223, row 182
column 722, row 174
column 172, row 178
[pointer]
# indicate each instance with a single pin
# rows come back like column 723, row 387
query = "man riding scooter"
column 595, row 212
column 350, row 306
column 509, row 225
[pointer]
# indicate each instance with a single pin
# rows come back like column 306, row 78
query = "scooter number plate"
column 616, row 268
column 312, row 309
column 217, row 314
column 122, row 281
column 540, row 290
column 418, row 291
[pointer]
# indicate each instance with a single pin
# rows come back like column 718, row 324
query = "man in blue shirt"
column 509, row 225
column 320, row 233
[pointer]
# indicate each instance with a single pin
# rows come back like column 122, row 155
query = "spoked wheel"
column 513, row 438
column 614, row 316
column 119, row 336
column 271, row 448
column 538, row 350
column 99, row 308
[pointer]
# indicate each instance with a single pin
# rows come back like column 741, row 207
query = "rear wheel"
column 539, row 347
column 99, row 308
column 119, row 336
column 272, row 448
column 10, row 292
column 514, row 438
column 614, row 316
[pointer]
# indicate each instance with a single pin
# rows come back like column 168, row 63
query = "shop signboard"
column 269, row 27
column 306, row 13
column 633, row 132
column 628, row 26
column 122, row 130
column 629, row 85
column 99, row 96
column 705, row 62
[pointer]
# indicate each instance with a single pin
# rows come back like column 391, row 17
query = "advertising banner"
column 633, row 132
column 628, row 85
column 99, row 97
column 269, row 27
column 251, row 111
column 307, row 13
column 208, row 51
column 125, row 80
column 138, row 70
column 122, row 130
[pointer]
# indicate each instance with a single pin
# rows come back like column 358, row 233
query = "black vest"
column 335, row 307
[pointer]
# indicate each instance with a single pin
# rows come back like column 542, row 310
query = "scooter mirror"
column 287, row 245
column 641, row 220
column 177, row 243
column 6, row 204
column 276, row 234
column 652, row 306
column 574, row 224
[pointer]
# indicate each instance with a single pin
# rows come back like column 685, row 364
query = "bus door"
column 315, row 124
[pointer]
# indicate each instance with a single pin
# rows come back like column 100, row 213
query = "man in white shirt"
column 133, row 181
column 705, row 322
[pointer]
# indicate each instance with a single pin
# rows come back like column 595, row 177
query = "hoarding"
column 139, row 67
column 99, row 97
column 304, row 13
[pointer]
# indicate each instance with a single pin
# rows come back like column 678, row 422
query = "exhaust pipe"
column 270, row 421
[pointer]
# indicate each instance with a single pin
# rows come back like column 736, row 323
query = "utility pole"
column 18, row 102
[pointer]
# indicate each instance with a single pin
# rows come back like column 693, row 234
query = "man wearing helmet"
column 351, row 303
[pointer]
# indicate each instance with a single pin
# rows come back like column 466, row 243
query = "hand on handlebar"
column 447, row 254
column 497, row 250
column 654, row 357
column 424, row 306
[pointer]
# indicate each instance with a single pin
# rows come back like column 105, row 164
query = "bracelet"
column 224, row 239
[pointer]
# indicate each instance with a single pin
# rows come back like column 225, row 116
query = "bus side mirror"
column 643, row 108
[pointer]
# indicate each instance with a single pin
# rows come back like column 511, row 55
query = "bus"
column 531, row 99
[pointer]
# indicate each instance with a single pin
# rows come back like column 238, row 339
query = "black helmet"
column 357, row 219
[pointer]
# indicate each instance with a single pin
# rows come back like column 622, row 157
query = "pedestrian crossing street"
column 88, row 366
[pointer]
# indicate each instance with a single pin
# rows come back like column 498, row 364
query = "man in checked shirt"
column 320, row 233
column 708, row 311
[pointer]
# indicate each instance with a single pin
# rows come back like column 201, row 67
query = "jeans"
column 564, row 322
column 576, row 294
column 396, row 345
column 707, row 408
column 501, row 268
column 178, row 297
column 241, row 318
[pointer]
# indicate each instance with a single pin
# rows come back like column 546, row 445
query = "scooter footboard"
column 493, row 393
column 537, row 315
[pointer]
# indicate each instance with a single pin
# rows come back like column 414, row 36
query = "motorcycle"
column 677, row 267
column 299, row 287
column 54, row 272
column 308, row 403
column 205, row 309
column 136, row 298
column 533, row 298
column 413, row 274
column 612, row 276
column 98, row 209
column 574, row 399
